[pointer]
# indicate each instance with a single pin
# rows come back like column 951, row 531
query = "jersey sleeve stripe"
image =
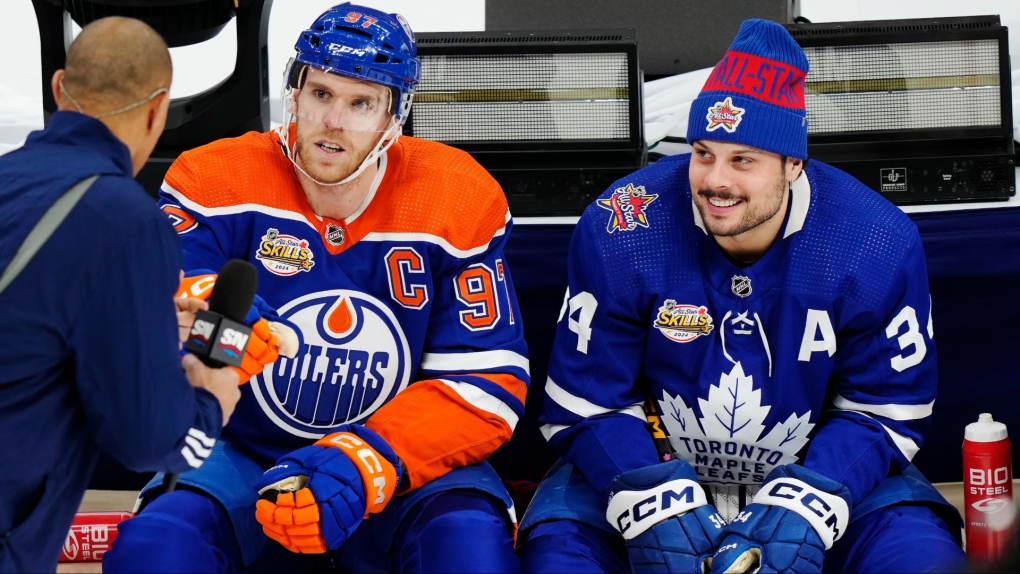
column 471, row 362
column 233, row 209
column 583, row 408
column 197, row 447
column 189, row 456
column 442, row 242
column 202, row 437
column 549, row 431
column 889, row 411
column 483, row 401
column 504, row 388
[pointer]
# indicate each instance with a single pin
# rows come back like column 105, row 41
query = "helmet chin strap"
column 385, row 141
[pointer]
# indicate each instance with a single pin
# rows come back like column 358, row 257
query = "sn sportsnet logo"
column 354, row 358
column 201, row 331
column 232, row 342
column 629, row 208
column 284, row 255
column 683, row 323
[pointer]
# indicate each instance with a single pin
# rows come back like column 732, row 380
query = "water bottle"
column 989, row 513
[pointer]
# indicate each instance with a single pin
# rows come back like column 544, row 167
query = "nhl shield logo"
column 334, row 234
column 741, row 285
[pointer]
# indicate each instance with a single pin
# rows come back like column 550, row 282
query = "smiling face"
column 741, row 194
column 339, row 121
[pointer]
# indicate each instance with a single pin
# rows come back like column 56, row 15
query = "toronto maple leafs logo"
column 724, row 115
column 629, row 207
column 725, row 444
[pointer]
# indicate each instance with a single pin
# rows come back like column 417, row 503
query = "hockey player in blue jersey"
column 778, row 314
column 366, row 451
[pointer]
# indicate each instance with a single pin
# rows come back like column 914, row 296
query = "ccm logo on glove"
column 372, row 471
column 827, row 513
column 635, row 511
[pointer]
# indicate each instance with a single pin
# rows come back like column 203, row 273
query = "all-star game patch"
column 724, row 115
column 629, row 208
column 284, row 255
column 334, row 234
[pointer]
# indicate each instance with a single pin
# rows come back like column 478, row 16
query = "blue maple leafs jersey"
column 819, row 353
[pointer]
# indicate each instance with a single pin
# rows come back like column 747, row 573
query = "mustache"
column 724, row 195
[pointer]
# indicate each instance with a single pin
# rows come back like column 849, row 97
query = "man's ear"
column 156, row 113
column 55, row 86
column 793, row 168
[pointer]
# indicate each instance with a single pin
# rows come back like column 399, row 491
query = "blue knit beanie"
column 755, row 95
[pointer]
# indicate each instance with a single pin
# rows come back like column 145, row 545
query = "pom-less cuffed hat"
column 755, row 94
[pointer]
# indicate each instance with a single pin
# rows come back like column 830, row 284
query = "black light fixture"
column 238, row 104
column 920, row 110
column 554, row 116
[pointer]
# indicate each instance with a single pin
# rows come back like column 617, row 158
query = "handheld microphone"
column 219, row 335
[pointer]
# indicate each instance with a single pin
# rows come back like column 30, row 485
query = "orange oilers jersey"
column 406, row 310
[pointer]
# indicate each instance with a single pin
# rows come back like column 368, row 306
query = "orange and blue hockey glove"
column 315, row 497
column 268, row 340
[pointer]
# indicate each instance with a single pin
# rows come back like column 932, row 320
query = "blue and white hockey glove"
column 663, row 514
column 315, row 497
column 790, row 523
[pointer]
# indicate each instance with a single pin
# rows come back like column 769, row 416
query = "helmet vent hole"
column 314, row 40
column 382, row 59
column 396, row 61
column 388, row 46
column 352, row 30
column 320, row 28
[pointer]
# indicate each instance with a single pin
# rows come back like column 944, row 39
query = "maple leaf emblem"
column 724, row 115
column 732, row 416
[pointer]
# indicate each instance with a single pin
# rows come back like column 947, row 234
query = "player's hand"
column 664, row 516
column 267, row 342
column 315, row 497
column 260, row 351
column 222, row 383
column 792, row 521
column 186, row 309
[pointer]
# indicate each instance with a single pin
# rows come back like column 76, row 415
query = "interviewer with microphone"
column 90, row 358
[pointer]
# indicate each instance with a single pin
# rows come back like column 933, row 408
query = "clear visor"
column 338, row 103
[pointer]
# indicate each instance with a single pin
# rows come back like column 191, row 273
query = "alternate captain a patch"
column 629, row 207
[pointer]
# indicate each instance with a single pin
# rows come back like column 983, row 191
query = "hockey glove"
column 790, row 523
column 268, row 339
column 315, row 497
column 663, row 514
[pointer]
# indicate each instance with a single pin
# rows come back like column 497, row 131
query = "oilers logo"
column 683, row 323
column 354, row 357
column 284, row 255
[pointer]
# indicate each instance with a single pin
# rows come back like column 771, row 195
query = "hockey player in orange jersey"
column 367, row 450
